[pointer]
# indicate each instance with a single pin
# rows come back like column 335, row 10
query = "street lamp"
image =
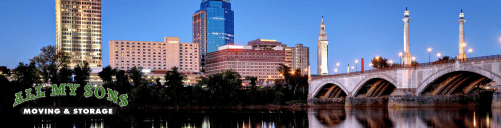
column 391, row 62
column 337, row 64
column 356, row 65
column 400, row 54
column 371, row 65
column 438, row 55
column 335, row 70
column 469, row 51
column 413, row 58
column 429, row 55
column 352, row 67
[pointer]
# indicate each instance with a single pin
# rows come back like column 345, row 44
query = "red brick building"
column 247, row 62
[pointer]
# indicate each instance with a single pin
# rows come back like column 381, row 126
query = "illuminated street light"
column 335, row 70
column 391, row 62
column 413, row 58
column 337, row 64
column 429, row 55
column 371, row 65
column 469, row 51
column 400, row 55
column 439, row 55
column 356, row 65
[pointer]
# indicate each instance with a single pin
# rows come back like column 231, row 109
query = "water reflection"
column 309, row 117
column 404, row 117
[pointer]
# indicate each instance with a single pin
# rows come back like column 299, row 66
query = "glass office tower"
column 212, row 27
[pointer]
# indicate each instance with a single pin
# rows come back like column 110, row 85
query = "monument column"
column 407, row 54
column 462, row 44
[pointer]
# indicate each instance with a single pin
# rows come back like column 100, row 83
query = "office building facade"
column 155, row 56
column 78, row 31
column 247, row 62
column 213, row 27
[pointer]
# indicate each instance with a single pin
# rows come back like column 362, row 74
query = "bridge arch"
column 327, row 82
column 432, row 78
column 367, row 79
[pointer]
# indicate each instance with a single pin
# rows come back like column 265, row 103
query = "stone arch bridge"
column 446, row 79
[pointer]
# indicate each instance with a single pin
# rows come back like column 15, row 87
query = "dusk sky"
column 355, row 28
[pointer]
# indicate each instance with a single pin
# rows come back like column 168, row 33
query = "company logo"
column 99, row 92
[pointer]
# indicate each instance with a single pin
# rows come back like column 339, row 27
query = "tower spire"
column 322, row 44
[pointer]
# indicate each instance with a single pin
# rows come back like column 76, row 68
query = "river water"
column 357, row 117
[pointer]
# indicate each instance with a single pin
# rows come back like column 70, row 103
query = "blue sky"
column 355, row 28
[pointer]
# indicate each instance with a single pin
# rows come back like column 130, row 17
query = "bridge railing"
column 396, row 66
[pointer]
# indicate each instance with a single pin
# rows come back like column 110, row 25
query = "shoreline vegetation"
column 222, row 89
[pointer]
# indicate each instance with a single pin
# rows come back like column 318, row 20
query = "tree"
column 6, row 71
column 107, row 74
column 445, row 58
column 82, row 74
column 64, row 75
column 122, row 84
column 294, row 79
column 224, row 87
column 380, row 62
column 137, row 76
column 174, row 83
column 27, row 75
column 415, row 64
column 49, row 61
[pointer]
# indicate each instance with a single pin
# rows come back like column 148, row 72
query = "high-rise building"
column 301, row 58
column 155, row 56
column 212, row 27
column 322, row 55
column 78, row 31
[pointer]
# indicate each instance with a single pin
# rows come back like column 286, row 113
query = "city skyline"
column 350, row 26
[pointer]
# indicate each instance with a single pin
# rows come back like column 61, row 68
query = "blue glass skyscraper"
column 212, row 27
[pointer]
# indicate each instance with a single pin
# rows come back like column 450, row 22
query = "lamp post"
column 429, row 55
column 413, row 58
column 400, row 55
column 356, row 65
column 371, row 65
column 438, row 56
column 352, row 67
column 469, row 51
column 337, row 65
